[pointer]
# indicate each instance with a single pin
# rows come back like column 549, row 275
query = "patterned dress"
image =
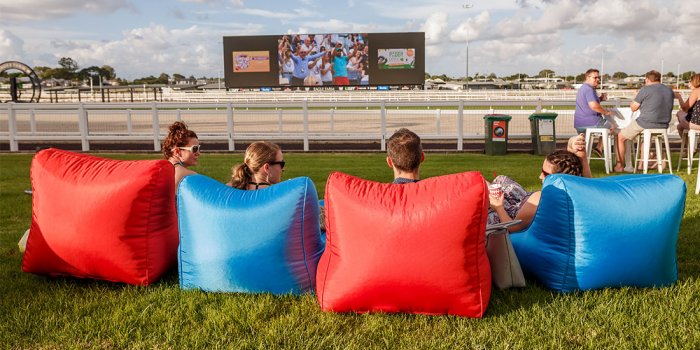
column 514, row 196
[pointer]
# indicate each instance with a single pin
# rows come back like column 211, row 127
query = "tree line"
column 68, row 69
column 548, row 73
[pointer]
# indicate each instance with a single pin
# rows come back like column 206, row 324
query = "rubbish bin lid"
column 497, row 117
column 551, row 116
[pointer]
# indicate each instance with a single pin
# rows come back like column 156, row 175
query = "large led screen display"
column 324, row 60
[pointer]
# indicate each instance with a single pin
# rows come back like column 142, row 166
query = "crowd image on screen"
column 323, row 59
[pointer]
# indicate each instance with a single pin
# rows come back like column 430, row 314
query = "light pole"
column 467, row 6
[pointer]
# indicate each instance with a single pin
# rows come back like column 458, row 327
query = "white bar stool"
column 591, row 135
column 646, row 137
column 689, row 139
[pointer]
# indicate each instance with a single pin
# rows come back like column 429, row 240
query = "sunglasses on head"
column 281, row 163
column 193, row 149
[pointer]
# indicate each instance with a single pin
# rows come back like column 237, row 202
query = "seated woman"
column 689, row 115
column 513, row 202
column 263, row 165
column 181, row 147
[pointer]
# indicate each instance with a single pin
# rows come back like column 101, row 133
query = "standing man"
column 589, row 113
column 340, row 63
column 301, row 66
column 655, row 104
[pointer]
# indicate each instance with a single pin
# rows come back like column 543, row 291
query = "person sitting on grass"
column 513, row 202
column 182, row 149
column 263, row 165
column 404, row 156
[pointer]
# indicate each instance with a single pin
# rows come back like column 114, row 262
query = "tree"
column 620, row 75
column 687, row 75
column 545, row 73
column 178, row 77
column 581, row 77
column 108, row 72
column 68, row 64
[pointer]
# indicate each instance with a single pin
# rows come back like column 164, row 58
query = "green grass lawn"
column 40, row 312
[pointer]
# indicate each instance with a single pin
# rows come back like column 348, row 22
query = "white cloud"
column 268, row 14
column 150, row 51
column 11, row 46
column 434, row 27
column 31, row 10
column 471, row 28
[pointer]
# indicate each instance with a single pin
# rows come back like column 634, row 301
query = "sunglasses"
column 281, row 163
column 193, row 149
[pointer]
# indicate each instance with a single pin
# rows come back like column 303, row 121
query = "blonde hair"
column 257, row 154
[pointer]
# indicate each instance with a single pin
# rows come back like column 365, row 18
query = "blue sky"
column 140, row 38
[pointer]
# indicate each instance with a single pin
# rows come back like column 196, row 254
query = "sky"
column 149, row 37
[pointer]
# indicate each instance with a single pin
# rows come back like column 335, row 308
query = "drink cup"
column 495, row 190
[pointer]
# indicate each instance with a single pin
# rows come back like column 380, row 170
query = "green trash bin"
column 496, row 133
column 544, row 138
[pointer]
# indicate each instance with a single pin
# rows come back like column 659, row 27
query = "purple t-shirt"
column 584, row 116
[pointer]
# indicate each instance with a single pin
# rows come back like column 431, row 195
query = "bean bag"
column 100, row 218
column 413, row 248
column 607, row 232
column 232, row 240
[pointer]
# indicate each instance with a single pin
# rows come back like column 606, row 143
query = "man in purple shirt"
column 589, row 113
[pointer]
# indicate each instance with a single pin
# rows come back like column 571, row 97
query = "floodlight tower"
column 467, row 6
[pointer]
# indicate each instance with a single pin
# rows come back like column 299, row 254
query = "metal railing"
column 304, row 121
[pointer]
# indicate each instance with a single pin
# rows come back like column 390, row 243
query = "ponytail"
column 240, row 176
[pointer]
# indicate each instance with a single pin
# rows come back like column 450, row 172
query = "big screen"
column 324, row 60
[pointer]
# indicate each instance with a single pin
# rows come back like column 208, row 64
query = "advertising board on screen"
column 324, row 60
column 396, row 58
column 251, row 61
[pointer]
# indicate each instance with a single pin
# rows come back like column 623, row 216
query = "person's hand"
column 677, row 95
column 496, row 201
column 577, row 145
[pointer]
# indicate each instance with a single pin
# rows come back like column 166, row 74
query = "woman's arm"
column 525, row 214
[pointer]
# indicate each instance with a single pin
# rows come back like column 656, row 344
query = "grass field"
column 44, row 313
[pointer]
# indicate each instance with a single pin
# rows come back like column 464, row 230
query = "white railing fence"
column 303, row 121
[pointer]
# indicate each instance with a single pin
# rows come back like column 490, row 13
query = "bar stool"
column 646, row 137
column 591, row 135
column 689, row 139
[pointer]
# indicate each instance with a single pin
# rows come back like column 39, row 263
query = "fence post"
column 538, row 108
column 129, row 125
column 383, row 125
column 460, row 126
column 83, row 126
column 156, row 127
column 178, row 117
column 32, row 122
column 279, row 121
column 306, row 125
column 332, row 121
column 12, row 127
column 229, row 126
column 437, row 121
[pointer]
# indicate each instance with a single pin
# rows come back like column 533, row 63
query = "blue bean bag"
column 232, row 240
column 608, row 232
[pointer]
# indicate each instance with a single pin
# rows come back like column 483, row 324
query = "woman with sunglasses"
column 263, row 165
column 181, row 147
column 513, row 202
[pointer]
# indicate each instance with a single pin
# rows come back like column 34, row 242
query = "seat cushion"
column 414, row 248
column 232, row 240
column 101, row 218
column 607, row 232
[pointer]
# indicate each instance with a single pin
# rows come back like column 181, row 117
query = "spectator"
column 588, row 109
column 182, row 149
column 689, row 116
column 404, row 156
column 655, row 104
column 263, row 165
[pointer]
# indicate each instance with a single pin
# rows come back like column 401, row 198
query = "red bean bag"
column 101, row 218
column 414, row 248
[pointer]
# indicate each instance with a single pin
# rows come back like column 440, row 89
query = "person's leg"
column 621, row 148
